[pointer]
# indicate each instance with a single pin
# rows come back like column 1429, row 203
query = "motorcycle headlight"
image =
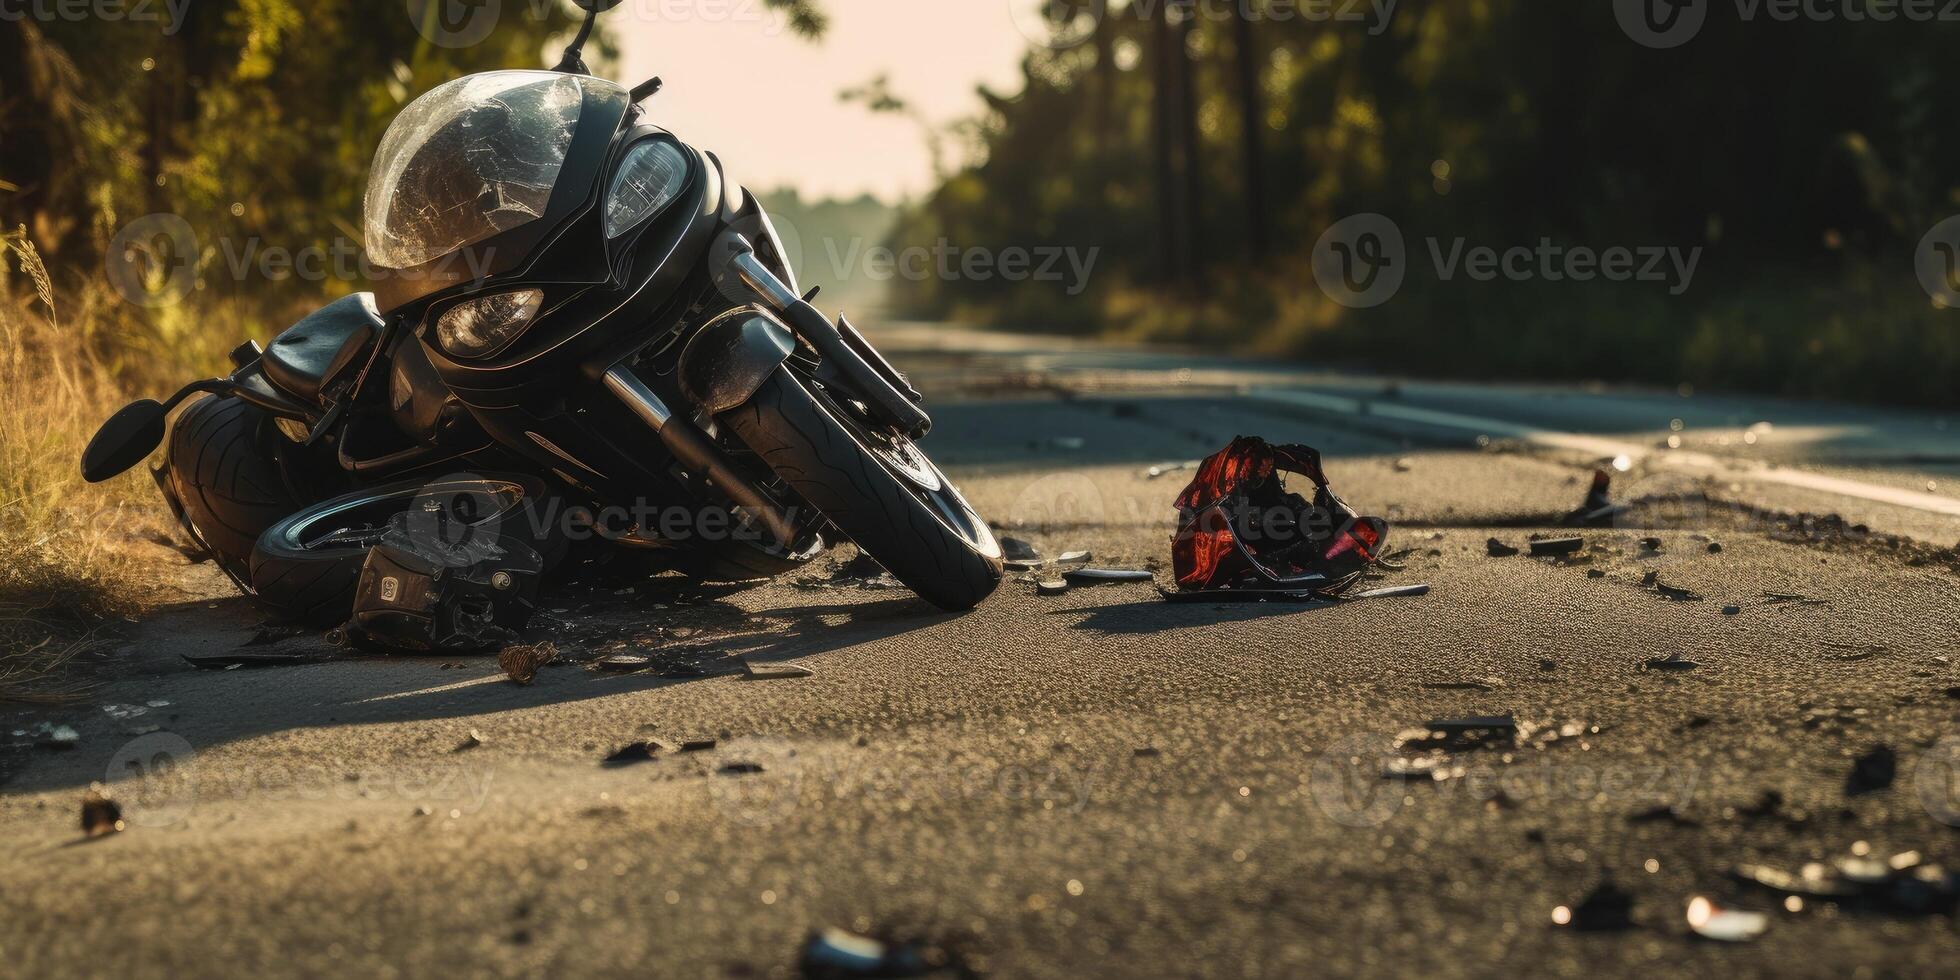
column 649, row 179
column 484, row 325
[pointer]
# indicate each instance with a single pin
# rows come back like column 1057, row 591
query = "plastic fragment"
column 1605, row 909
column 774, row 672
column 1101, row 576
column 101, row 816
column 1557, row 546
column 1712, row 921
column 1498, row 549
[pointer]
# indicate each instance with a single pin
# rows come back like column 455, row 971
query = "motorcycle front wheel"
column 875, row 486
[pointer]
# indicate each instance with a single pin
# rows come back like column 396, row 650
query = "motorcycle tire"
column 226, row 467
column 856, row 473
column 303, row 570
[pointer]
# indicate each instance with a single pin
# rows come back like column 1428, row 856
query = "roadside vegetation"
column 1204, row 156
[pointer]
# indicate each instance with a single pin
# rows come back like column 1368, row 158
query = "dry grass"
column 72, row 561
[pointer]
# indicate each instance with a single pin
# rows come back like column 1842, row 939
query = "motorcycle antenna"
column 572, row 62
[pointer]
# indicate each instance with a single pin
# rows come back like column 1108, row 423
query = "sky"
column 739, row 83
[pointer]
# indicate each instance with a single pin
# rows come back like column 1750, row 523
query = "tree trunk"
column 1163, row 138
column 1251, row 63
column 1105, row 99
column 1191, row 157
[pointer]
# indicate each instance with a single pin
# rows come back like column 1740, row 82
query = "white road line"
column 1596, row 446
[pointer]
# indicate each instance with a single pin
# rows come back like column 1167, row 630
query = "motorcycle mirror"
column 572, row 62
column 129, row 437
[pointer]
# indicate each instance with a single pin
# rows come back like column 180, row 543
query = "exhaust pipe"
column 692, row 448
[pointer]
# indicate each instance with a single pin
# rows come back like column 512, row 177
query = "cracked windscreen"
column 470, row 159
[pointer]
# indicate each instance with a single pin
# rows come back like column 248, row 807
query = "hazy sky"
column 741, row 84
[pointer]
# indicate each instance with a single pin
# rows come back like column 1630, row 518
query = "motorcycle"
column 575, row 303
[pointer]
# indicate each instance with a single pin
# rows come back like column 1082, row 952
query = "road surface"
column 1098, row 782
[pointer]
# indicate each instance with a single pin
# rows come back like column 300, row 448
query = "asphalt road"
column 1100, row 782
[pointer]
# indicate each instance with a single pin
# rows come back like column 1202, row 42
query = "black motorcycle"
column 570, row 295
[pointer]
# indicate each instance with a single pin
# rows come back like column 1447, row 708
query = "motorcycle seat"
column 331, row 340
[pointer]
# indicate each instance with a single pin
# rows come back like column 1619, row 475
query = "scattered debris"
column 1855, row 651
column 1103, row 576
column 1650, row 544
column 1547, row 663
column 1165, row 468
column 1389, row 592
column 1731, row 610
column 774, row 672
column 631, row 753
column 1146, row 751
column 235, row 660
column 1712, row 921
column 101, row 816
column 1605, row 909
column 472, row 740
column 1902, row 884
column 1557, row 546
column 1674, row 593
column 60, row 737
column 1015, row 549
column 1663, row 813
column 1671, row 661
column 1070, row 557
column 833, row 954
column 521, row 662
column 1714, row 547
column 695, row 745
column 1778, row 598
column 740, row 768
column 1050, row 586
column 1872, row 772
column 1598, row 509
column 623, row 663
column 1499, row 549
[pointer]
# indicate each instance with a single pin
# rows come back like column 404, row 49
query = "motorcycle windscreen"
column 472, row 159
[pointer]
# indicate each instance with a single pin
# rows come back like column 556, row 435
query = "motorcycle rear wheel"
column 229, row 470
column 875, row 487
